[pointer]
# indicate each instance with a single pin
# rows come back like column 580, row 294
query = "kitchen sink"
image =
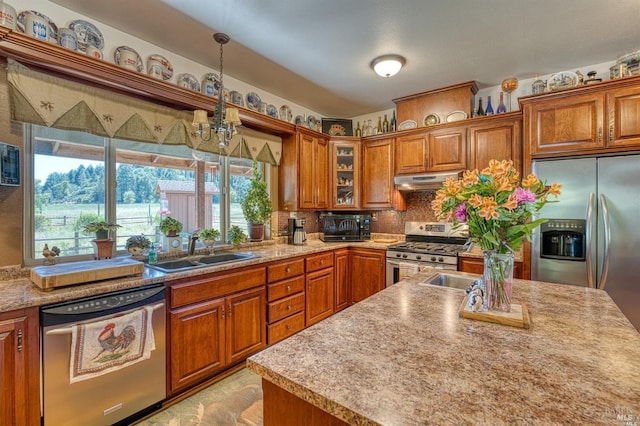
column 201, row 261
column 461, row 282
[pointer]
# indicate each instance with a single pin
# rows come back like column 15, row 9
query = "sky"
column 44, row 165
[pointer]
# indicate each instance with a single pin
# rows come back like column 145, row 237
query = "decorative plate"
column 188, row 81
column 118, row 52
column 456, row 116
column 431, row 120
column 53, row 28
column 562, row 80
column 253, row 101
column 166, row 68
column 213, row 78
column 235, row 97
column 272, row 111
column 285, row 113
column 312, row 122
column 407, row 124
column 87, row 35
column 300, row 120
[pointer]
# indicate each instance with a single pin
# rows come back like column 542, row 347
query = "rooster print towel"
column 108, row 345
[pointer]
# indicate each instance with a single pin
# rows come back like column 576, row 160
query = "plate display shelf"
column 66, row 63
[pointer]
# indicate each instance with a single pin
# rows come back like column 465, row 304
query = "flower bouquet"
column 497, row 207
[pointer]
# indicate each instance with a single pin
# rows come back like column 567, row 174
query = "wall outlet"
column 293, row 215
column 374, row 216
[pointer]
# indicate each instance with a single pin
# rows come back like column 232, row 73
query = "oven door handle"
column 69, row 330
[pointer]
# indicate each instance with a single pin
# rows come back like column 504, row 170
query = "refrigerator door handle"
column 590, row 206
column 607, row 241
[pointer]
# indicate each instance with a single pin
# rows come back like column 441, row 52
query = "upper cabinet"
column 585, row 120
column 432, row 151
column 304, row 171
column 498, row 138
column 345, row 174
column 378, row 190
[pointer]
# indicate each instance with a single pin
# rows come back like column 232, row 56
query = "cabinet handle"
column 288, row 307
column 322, row 262
column 288, row 270
column 288, row 327
column 19, row 340
column 288, row 288
column 599, row 134
column 222, row 311
column 230, row 310
column 611, row 133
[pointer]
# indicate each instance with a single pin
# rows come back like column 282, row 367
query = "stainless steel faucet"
column 192, row 243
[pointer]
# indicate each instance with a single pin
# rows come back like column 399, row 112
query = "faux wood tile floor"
column 236, row 400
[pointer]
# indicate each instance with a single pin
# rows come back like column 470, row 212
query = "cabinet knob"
column 599, row 134
column 288, row 327
column 322, row 261
column 288, row 307
column 288, row 270
column 611, row 133
column 288, row 288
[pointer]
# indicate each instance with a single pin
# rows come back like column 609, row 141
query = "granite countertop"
column 404, row 357
column 21, row 293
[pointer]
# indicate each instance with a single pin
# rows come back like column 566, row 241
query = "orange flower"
column 475, row 201
column 488, row 210
column 452, row 186
column 504, row 185
column 554, row 189
column 470, row 177
column 530, row 181
column 511, row 203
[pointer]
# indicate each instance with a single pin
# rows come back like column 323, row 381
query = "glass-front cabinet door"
column 345, row 174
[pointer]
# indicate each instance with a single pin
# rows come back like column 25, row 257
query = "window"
column 78, row 177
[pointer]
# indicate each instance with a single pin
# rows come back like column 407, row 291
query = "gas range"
column 430, row 244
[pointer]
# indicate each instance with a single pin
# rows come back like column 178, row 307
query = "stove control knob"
column 404, row 256
column 398, row 255
column 418, row 257
column 440, row 259
column 433, row 258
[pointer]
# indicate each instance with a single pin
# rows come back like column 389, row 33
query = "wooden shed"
column 181, row 200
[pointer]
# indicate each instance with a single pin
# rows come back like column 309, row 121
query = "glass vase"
column 498, row 280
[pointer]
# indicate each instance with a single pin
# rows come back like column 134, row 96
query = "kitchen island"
column 405, row 357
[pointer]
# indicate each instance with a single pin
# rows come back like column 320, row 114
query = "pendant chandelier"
column 224, row 120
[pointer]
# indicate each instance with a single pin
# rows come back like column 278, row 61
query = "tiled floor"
column 236, row 400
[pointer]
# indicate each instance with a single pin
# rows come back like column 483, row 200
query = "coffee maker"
column 297, row 236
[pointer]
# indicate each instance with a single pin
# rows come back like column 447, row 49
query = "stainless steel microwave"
column 345, row 227
column 9, row 165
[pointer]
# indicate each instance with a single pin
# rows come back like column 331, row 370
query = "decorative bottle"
column 393, row 121
column 480, row 109
column 385, row 124
column 368, row 130
column 489, row 110
column 153, row 254
column 501, row 107
column 379, row 128
column 358, row 131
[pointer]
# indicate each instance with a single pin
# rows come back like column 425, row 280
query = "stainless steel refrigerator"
column 603, row 193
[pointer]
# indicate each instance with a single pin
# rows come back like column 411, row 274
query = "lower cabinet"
column 475, row 265
column 286, row 299
column 319, row 287
column 367, row 273
column 19, row 367
column 341, row 270
column 214, row 322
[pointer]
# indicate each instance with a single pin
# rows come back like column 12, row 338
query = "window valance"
column 51, row 101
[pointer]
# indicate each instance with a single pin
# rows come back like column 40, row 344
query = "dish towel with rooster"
column 104, row 346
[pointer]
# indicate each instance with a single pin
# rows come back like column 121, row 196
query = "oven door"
column 398, row 270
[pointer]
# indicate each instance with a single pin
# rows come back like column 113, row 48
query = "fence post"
column 76, row 241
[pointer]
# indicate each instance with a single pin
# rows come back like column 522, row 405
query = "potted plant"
column 256, row 205
column 235, row 235
column 101, row 228
column 137, row 244
column 209, row 236
column 170, row 226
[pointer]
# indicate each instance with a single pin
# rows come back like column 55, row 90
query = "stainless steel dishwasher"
column 103, row 357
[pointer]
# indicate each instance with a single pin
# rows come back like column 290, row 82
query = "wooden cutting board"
column 518, row 317
column 63, row 274
column 385, row 240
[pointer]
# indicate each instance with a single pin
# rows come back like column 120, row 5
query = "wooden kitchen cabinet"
column 345, row 174
column 367, row 273
column 304, row 171
column 19, row 367
column 319, row 287
column 498, row 139
column 378, row 190
column 434, row 151
column 623, row 114
column 286, row 299
column 343, row 281
column 475, row 265
column 215, row 321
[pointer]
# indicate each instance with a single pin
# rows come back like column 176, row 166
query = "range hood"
column 423, row 181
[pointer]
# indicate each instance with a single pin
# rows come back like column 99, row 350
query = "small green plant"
column 256, row 205
column 235, row 235
column 209, row 234
column 101, row 228
column 138, row 242
column 170, row 225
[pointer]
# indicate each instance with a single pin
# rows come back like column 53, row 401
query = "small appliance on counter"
column 297, row 235
column 345, row 227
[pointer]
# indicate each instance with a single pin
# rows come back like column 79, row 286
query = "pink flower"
column 461, row 212
column 524, row 196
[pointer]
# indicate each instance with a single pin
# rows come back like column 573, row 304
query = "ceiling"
column 317, row 53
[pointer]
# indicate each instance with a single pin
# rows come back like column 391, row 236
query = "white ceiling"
column 317, row 53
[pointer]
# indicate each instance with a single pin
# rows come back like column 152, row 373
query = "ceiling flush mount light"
column 387, row 65
column 224, row 120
